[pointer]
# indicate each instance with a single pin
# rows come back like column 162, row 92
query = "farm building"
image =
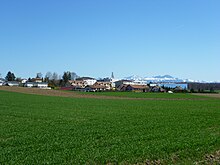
column 36, row 85
column 137, row 88
column 94, row 88
column 11, row 83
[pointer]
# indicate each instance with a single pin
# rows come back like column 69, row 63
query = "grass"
column 144, row 95
column 54, row 130
column 218, row 91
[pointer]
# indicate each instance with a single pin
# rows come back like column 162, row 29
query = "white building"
column 12, row 83
column 90, row 81
column 23, row 81
column 1, row 81
column 87, row 80
column 29, row 84
column 42, row 85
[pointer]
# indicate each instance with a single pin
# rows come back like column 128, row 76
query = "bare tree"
column 74, row 76
column 48, row 76
column 55, row 76
column 39, row 75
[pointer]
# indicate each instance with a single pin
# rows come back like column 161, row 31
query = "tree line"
column 53, row 79
column 203, row 87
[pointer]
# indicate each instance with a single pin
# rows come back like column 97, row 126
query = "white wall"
column 42, row 85
column 90, row 82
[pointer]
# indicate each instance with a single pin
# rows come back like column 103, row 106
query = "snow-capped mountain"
column 165, row 78
column 134, row 78
column 157, row 79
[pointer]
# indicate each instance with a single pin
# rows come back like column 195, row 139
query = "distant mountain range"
column 157, row 79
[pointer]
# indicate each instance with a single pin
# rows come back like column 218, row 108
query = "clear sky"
column 97, row 37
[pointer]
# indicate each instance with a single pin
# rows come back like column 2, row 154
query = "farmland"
column 143, row 95
column 37, row 129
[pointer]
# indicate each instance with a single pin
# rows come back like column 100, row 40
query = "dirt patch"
column 48, row 92
column 215, row 95
column 210, row 159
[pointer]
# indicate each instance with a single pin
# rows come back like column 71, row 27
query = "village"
column 70, row 81
column 89, row 84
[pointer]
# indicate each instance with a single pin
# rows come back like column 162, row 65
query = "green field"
column 54, row 130
column 142, row 94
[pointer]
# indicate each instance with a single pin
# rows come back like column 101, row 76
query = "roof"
column 84, row 78
column 13, row 82
column 103, row 82
column 124, row 81
column 76, row 81
column 139, row 86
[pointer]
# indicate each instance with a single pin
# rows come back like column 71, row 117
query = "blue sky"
column 97, row 37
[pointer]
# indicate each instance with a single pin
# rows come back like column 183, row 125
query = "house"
column 82, row 82
column 37, row 80
column 43, row 85
column 137, row 88
column 88, row 80
column 123, row 82
column 29, row 84
column 23, row 81
column 11, row 83
column 157, row 89
column 78, row 83
column 107, row 84
column 1, row 81
column 94, row 88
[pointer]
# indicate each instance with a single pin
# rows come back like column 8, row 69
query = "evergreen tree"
column 66, row 77
column 10, row 76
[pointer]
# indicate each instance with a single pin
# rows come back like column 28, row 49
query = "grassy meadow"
column 38, row 129
column 143, row 95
